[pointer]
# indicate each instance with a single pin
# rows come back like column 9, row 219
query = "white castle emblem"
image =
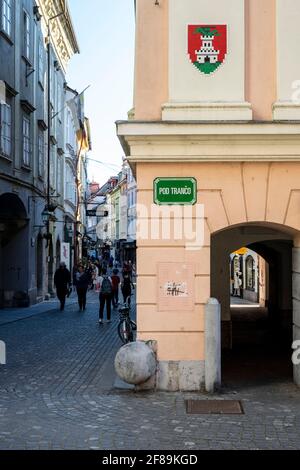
column 207, row 53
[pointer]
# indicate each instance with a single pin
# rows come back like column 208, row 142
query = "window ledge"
column 5, row 157
column 26, row 167
column 28, row 61
column 6, row 36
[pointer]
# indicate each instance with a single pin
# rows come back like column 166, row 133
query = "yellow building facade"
column 235, row 130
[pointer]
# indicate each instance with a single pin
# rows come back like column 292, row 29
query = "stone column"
column 212, row 345
column 296, row 306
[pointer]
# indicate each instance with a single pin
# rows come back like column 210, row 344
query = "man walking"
column 62, row 281
column 126, row 287
column 81, row 281
column 105, row 296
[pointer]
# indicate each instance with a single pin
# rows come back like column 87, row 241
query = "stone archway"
column 274, row 242
column 14, row 243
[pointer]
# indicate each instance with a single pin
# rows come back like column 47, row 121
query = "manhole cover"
column 206, row 407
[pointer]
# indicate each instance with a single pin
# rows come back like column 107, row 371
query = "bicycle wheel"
column 124, row 331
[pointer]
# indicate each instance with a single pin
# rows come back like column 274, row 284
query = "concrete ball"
column 135, row 363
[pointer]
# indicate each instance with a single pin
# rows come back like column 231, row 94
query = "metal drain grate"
column 218, row 407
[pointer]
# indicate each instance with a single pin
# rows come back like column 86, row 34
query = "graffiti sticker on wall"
column 176, row 286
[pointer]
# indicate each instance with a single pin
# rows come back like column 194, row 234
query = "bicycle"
column 126, row 326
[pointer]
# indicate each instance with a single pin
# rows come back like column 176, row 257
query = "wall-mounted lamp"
column 46, row 215
column 156, row 3
column 56, row 65
column 37, row 13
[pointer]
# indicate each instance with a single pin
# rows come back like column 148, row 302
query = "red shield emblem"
column 207, row 46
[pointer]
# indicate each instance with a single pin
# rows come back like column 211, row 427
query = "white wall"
column 287, row 106
column 186, row 83
column 288, row 41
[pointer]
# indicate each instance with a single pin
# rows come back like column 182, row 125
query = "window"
column 59, row 175
column 41, row 62
column 26, row 141
column 68, row 119
column 51, row 84
column 5, row 129
column 52, row 87
column 250, row 273
column 41, row 148
column 53, row 167
column 70, row 185
column 26, row 32
column 59, row 101
column 6, row 16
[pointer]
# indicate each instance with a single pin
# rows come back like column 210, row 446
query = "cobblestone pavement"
column 56, row 392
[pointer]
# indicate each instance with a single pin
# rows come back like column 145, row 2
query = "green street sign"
column 175, row 191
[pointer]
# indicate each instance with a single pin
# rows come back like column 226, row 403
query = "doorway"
column 252, row 279
column 14, row 256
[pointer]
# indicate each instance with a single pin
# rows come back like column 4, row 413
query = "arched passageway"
column 14, row 242
column 256, row 342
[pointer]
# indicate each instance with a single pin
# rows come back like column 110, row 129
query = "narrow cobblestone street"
column 58, row 392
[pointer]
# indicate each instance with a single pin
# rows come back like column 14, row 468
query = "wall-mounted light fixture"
column 56, row 65
column 156, row 2
column 37, row 13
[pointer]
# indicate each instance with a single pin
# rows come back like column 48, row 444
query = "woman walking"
column 126, row 286
column 105, row 296
column 82, row 281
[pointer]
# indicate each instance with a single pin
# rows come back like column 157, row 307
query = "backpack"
column 106, row 286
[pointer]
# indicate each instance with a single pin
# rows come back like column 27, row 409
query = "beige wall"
column 260, row 68
column 233, row 193
column 288, row 67
column 151, row 59
column 250, row 73
column 288, row 38
column 186, row 83
column 261, row 73
column 246, row 173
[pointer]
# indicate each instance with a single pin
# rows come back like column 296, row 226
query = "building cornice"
column 62, row 32
column 165, row 142
column 22, row 184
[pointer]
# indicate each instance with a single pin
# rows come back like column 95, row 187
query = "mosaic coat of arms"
column 207, row 46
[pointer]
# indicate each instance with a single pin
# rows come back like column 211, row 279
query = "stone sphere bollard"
column 135, row 363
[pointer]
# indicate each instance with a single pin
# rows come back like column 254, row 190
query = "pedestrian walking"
column 125, row 268
column 115, row 286
column 129, row 268
column 127, row 286
column 237, row 284
column 90, row 273
column 105, row 296
column 62, row 282
column 81, row 280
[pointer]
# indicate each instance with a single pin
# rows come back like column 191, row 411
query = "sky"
column 105, row 31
